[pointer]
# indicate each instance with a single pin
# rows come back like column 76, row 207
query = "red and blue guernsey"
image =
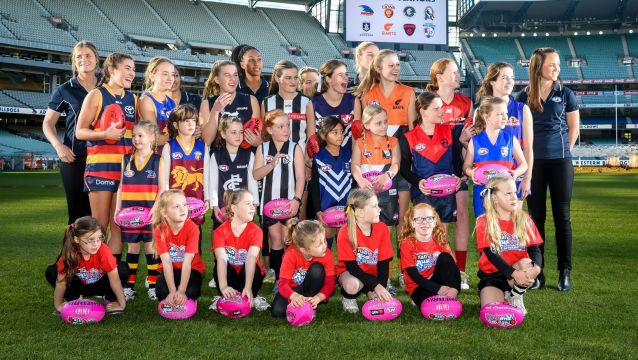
column 501, row 152
column 344, row 111
column 187, row 167
column 430, row 155
column 139, row 188
column 104, row 160
column 163, row 110
column 515, row 119
column 335, row 177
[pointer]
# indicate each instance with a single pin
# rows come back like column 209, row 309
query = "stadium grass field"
column 596, row 320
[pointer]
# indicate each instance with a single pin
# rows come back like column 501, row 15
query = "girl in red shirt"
column 307, row 271
column 82, row 265
column 509, row 245
column 364, row 251
column 237, row 246
column 428, row 266
column 176, row 242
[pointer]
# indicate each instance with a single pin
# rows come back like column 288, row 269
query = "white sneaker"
column 270, row 276
column 129, row 294
column 151, row 293
column 465, row 281
column 213, row 305
column 516, row 300
column 146, row 284
column 261, row 304
column 212, row 283
column 350, row 305
column 401, row 280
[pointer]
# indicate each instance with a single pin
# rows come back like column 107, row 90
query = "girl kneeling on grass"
column 427, row 262
column 307, row 271
column 506, row 238
column 82, row 264
column 175, row 240
column 364, row 251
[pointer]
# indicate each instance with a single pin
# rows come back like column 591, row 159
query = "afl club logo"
column 366, row 10
column 419, row 147
column 388, row 10
column 397, row 105
column 429, row 13
column 347, row 119
column 223, row 168
column 129, row 110
column 409, row 29
column 387, row 30
column 428, row 29
column 513, row 121
column 483, row 151
column 504, row 151
column 233, row 183
column 151, row 174
column 365, row 26
column 409, row 11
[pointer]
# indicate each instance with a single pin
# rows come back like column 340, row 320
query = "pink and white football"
column 374, row 310
column 483, row 174
column 335, row 217
column 441, row 185
column 278, row 209
column 134, row 217
column 82, row 311
column 371, row 176
column 502, row 315
column 441, row 308
column 196, row 207
column 223, row 217
column 234, row 308
column 177, row 312
column 300, row 316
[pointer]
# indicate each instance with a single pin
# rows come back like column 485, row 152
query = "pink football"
column 371, row 176
column 335, row 217
column 300, row 316
column 177, row 312
column 441, row 185
column 502, row 315
column 81, row 311
column 374, row 310
column 196, row 207
column 278, row 209
column 234, row 308
column 134, row 217
column 484, row 173
column 223, row 217
column 441, row 308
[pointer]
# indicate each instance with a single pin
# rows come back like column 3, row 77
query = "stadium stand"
column 20, row 143
column 530, row 43
column 6, row 100
column 28, row 20
column 127, row 16
column 601, row 53
column 33, row 99
column 498, row 49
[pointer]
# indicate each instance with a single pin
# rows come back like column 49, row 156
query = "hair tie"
column 487, row 192
column 318, row 82
column 348, row 208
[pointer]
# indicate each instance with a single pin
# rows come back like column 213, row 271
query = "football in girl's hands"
column 81, row 312
column 483, row 174
column 112, row 114
column 134, row 217
column 502, row 315
column 441, row 308
column 441, row 185
column 196, row 207
column 372, row 176
column 254, row 125
column 177, row 312
column 278, row 209
column 375, row 310
column 335, row 217
column 234, row 308
column 312, row 146
column 300, row 316
column 223, row 217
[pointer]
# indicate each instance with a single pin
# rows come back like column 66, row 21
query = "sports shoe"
column 391, row 289
column 515, row 300
column 212, row 283
column 151, row 293
column 129, row 293
column 350, row 305
column 270, row 276
column 213, row 305
column 261, row 304
column 146, row 284
column 401, row 280
column 465, row 281
column 275, row 288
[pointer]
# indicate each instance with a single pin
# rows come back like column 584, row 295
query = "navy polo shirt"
column 551, row 139
column 193, row 99
column 68, row 98
column 261, row 93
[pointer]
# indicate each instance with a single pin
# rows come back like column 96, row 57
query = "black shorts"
column 497, row 280
column 445, row 206
column 464, row 186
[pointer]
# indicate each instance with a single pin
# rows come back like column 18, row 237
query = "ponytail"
column 357, row 199
column 70, row 253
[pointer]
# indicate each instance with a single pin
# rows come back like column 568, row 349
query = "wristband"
column 297, row 198
column 390, row 174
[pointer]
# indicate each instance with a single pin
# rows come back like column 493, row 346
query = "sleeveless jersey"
column 396, row 105
column 163, row 110
column 344, row 111
column 187, row 169
column 335, row 177
column 279, row 183
column 140, row 185
column 376, row 155
column 240, row 107
column 231, row 174
column 104, row 160
column 296, row 111
column 456, row 114
column 515, row 119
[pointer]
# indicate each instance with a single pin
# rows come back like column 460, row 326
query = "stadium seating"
column 33, row 99
column 28, row 21
column 20, row 143
column 6, row 100
column 530, row 43
column 601, row 53
column 423, row 61
column 498, row 49
column 133, row 17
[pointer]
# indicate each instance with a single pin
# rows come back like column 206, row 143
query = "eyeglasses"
column 424, row 219
column 93, row 241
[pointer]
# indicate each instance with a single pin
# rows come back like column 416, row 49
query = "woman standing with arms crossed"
column 556, row 129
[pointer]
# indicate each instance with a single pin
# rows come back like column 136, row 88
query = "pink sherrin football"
column 223, row 217
column 196, row 207
column 134, row 217
column 502, row 315
column 483, row 174
column 177, row 312
column 82, row 311
column 374, row 310
column 278, row 209
column 441, row 308
column 234, row 308
column 335, row 217
column 371, row 176
column 300, row 316
column 441, row 185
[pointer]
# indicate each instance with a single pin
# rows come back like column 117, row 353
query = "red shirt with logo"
column 237, row 246
column 370, row 249
column 91, row 270
column 420, row 254
column 294, row 267
column 178, row 245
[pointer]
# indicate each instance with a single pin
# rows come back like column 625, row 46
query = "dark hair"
column 112, row 61
column 237, row 54
column 536, row 61
column 179, row 114
column 423, row 101
column 328, row 123
column 70, row 253
column 224, row 123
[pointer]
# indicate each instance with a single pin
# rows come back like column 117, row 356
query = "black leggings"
column 193, row 290
column 311, row 285
column 77, row 201
column 237, row 279
column 558, row 175
column 446, row 273
column 76, row 288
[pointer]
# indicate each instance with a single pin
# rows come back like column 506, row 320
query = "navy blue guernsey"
column 231, row 175
column 344, row 111
column 193, row 99
column 261, row 93
column 240, row 107
column 514, row 125
column 334, row 179
column 68, row 98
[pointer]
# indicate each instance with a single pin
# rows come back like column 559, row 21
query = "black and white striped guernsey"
column 296, row 111
column 231, row 175
column 279, row 183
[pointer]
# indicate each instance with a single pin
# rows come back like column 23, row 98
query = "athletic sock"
column 132, row 261
column 118, row 257
column 276, row 257
column 151, row 267
column 461, row 259
column 518, row 290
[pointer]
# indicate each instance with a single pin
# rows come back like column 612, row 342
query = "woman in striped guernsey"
column 104, row 161
column 280, row 163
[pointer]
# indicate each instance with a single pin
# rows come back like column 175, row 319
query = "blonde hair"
column 112, row 61
column 159, row 221
column 233, row 197
column 277, row 72
column 358, row 52
column 492, row 73
column 150, row 128
column 79, row 46
column 367, row 115
column 437, row 68
column 522, row 222
column 373, row 77
column 269, row 121
column 302, row 233
column 536, row 61
column 357, row 199
column 210, row 86
column 327, row 69
column 151, row 69
column 224, row 123
column 439, row 235
column 486, row 107
column 70, row 253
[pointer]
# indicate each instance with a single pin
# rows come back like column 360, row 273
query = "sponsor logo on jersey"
column 557, row 99
column 419, row 147
column 176, row 155
column 176, row 253
column 367, row 256
column 483, row 151
column 129, row 110
column 445, row 144
column 285, row 160
column 509, row 242
column 236, row 256
column 393, row 192
column 409, row 11
column 223, row 168
column 299, row 276
column 375, row 102
column 426, row 260
column 297, row 116
column 367, row 153
column 429, row 13
column 387, row 153
column 268, row 159
column 428, row 30
column 409, row 29
column 366, row 10
column 89, row 276
column 388, row 10
column 347, row 119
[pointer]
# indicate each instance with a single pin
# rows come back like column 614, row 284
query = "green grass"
column 597, row 319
